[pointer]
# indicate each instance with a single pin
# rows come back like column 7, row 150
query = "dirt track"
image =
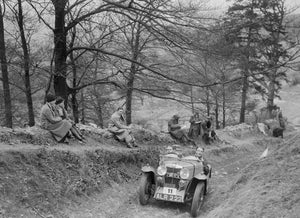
column 122, row 200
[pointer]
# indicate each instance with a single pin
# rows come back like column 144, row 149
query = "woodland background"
column 146, row 55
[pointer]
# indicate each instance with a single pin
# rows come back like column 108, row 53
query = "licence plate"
column 169, row 191
column 166, row 197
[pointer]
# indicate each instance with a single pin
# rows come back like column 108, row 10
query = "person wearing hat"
column 51, row 121
column 176, row 132
column 120, row 130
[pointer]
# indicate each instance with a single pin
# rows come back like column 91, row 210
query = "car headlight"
column 161, row 170
column 184, row 173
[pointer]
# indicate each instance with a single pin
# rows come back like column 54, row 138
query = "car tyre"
column 145, row 188
column 197, row 199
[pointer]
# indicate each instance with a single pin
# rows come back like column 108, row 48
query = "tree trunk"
column 192, row 100
column 60, row 50
column 244, row 98
column 207, row 102
column 133, row 70
column 129, row 93
column 217, row 113
column 26, row 66
column 75, row 108
column 99, row 112
column 224, row 104
column 74, row 102
column 272, row 77
column 5, row 80
column 271, row 94
column 82, row 108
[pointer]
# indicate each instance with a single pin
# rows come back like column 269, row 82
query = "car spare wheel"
column 145, row 188
column 197, row 199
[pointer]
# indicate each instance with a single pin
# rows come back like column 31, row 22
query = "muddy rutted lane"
column 227, row 161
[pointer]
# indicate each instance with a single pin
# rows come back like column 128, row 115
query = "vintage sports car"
column 177, row 179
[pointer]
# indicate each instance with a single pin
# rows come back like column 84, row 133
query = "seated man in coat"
column 176, row 132
column 118, row 127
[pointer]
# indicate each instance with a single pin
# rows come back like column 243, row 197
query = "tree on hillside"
column 273, row 48
column 17, row 10
column 144, row 30
column 83, row 10
column 5, row 80
column 133, row 41
column 243, row 23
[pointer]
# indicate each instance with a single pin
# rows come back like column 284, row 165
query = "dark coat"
column 118, row 127
column 195, row 127
column 175, row 129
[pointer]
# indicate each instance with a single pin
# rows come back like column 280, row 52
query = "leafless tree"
column 4, row 69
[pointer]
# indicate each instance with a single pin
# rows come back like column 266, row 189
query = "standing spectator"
column 120, row 130
column 280, row 118
column 176, row 131
column 195, row 126
column 208, row 132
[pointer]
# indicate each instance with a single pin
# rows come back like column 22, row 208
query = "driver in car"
column 199, row 154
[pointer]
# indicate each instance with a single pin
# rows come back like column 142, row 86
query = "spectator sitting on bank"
column 195, row 127
column 51, row 121
column 176, row 131
column 62, row 112
column 120, row 130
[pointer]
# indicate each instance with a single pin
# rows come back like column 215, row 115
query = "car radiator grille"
column 172, row 177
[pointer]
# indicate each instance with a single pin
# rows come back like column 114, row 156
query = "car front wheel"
column 197, row 199
column 145, row 188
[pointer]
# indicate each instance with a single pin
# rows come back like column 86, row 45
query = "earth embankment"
column 101, row 180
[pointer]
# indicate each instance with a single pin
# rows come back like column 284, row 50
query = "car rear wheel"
column 197, row 199
column 145, row 188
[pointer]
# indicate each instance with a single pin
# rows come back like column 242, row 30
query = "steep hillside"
column 266, row 187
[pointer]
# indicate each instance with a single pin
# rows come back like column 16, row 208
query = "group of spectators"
column 198, row 128
column 55, row 119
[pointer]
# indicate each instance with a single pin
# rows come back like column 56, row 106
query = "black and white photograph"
column 149, row 108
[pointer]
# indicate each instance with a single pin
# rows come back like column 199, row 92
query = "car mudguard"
column 202, row 177
column 148, row 169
